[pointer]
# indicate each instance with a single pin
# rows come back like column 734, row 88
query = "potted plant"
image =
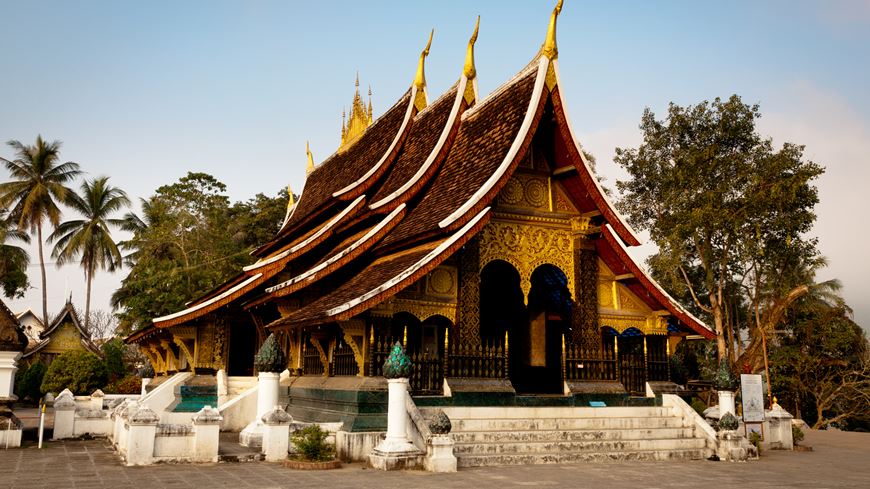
column 726, row 383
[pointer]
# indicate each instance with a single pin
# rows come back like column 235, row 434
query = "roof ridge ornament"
column 421, row 100
column 549, row 48
column 310, row 167
column 291, row 201
column 469, row 70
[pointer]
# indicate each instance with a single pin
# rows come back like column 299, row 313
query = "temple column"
column 469, row 295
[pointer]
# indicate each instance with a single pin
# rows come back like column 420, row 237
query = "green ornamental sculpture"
column 146, row 371
column 728, row 422
column 271, row 357
column 397, row 365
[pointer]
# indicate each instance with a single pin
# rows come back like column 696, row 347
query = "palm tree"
column 38, row 183
column 89, row 239
column 13, row 259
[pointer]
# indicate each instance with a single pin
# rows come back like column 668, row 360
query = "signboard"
column 752, row 392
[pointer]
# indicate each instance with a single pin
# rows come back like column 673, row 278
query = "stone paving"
column 838, row 460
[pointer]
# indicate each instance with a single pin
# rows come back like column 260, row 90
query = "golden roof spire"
column 370, row 102
column 420, row 78
column 470, row 71
column 310, row 167
column 359, row 118
column 549, row 49
column 290, row 200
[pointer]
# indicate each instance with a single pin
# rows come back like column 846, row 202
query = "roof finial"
column 356, row 84
column 549, row 49
column 420, row 78
column 469, row 71
column 370, row 103
column 291, row 201
column 310, row 167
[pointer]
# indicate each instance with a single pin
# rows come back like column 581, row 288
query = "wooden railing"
column 487, row 360
column 343, row 360
column 311, row 363
column 588, row 364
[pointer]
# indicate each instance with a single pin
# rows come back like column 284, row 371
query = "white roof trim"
column 308, row 240
column 643, row 271
column 209, row 302
column 373, row 169
column 445, row 133
column 574, row 140
column 514, row 149
column 412, row 269
column 308, row 274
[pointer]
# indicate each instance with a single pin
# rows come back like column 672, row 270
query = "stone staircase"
column 544, row 435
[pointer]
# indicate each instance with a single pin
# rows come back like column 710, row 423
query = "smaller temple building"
column 65, row 333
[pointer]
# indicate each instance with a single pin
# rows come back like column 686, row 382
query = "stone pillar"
column 780, row 435
column 395, row 451
column 64, row 416
column 726, row 403
column 267, row 392
column 97, row 398
column 222, row 387
column 276, row 434
column 145, row 382
column 206, row 434
column 8, row 367
column 140, row 442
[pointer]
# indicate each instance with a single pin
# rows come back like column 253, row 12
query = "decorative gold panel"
column 423, row 310
column 605, row 295
column 354, row 334
column 442, row 282
column 527, row 246
column 530, row 191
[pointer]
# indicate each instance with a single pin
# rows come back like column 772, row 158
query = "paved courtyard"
column 838, row 460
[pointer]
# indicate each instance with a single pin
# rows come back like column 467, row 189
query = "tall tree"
column 89, row 239
column 13, row 259
column 719, row 202
column 38, row 183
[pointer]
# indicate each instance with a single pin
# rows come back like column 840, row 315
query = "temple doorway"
column 242, row 348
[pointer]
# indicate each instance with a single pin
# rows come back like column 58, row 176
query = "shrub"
column 81, row 372
column 797, row 434
column 130, row 384
column 755, row 439
column 311, row 444
column 28, row 387
column 728, row 422
column 699, row 406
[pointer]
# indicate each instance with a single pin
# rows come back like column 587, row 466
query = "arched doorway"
column 538, row 366
column 630, row 361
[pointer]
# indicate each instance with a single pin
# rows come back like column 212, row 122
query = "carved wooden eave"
column 615, row 255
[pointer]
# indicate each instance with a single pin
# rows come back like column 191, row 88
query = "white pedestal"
column 143, row 430
column 145, row 382
column 276, row 434
column 8, row 367
column 439, row 454
column 267, row 399
column 206, row 434
column 396, row 451
column 726, row 403
column 64, row 416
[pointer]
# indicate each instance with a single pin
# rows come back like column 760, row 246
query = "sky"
column 144, row 92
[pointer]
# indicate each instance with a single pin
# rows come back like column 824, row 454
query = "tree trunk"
column 42, row 269
column 719, row 326
column 90, row 277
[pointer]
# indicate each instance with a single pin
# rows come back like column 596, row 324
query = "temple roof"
column 66, row 315
column 12, row 338
column 417, row 183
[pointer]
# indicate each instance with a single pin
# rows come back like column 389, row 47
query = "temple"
column 470, row 229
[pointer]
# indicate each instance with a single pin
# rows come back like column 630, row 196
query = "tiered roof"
column 413, row 188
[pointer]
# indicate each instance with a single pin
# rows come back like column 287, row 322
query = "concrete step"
column 555, row 412
column 467, row 460
column 523, row 447
column 561, row 424
column 570, row 435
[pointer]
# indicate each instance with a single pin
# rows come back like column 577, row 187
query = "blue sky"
column 145, row 91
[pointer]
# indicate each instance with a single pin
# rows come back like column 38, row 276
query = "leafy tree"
column 258, row 220
column 27, row 384
column 181, row 248
column 38, row 184
column 728, row 212
column 13, row 259
column 89, row 240
column 113, row 352
column 82, row 372
column 821, row 366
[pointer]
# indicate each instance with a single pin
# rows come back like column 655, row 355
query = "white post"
column 726, row 403
column 397, row 419
column 267, row 393
column 8, row 367
column 276, row 434
column 64, row 416
column 206, row 434
column 143, row 430
column 41, row 424
column 222, row 387
column 145, row 382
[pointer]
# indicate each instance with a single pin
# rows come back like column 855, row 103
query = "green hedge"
column 79, row 371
